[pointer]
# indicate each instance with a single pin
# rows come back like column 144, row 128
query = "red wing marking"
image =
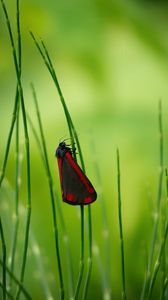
column 83, row 178
column 87, row 200
column 70, row 197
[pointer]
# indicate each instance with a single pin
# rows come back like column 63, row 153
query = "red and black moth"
column 76, row 187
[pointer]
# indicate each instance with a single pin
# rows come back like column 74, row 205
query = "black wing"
column 73, row 189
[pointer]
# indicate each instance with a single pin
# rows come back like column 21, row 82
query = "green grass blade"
column 163, row 223
column 17, row 147
column 74, row 138
column 81, row 262
column 17, row 183
column 157, row 264
column 89, row 267
column 52, row 197
column 4, row 259
column 18, row 74
column 14, row 116
column 65, row 234
column 121, row 229
column 158, row 202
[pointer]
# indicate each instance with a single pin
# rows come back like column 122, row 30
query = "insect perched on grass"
column 76, row 187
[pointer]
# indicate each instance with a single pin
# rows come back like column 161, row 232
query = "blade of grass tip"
column 41, row 52
column 158, row 263
column 158, row 202
column 71, row 128
column 121, row 229
column 56, row 235
column 4, row 259
column 26, row 294
column 67, row 114
column 18, row 74
column 6, row 292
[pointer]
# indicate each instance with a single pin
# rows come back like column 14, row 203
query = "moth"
column 75, row 185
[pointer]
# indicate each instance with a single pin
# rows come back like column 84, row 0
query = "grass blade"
column 4, row 260
column 17, row 183
column 14, row 116
column 17, row 64
column 157, row 264
column 65, row 234
column 121, row 229
column 52, row 196
column 73, row 137
column 81, row 262
column 158, row 202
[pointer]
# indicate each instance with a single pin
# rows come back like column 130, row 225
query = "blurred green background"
column 111, row 59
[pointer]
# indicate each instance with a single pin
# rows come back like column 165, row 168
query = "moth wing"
column 76, row 187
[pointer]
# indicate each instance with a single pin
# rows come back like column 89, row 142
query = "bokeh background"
column 111, row 59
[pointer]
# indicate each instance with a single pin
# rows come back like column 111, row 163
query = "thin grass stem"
column 14, row 115
column 121, row 229
column 73, row 136
column 52, row 196
column 17, row 64
column 88, row 275
column 158, row 202
column 81, row 262
column 66, row 238
column 14, row 278
column 157, row 264
column 17, row 183
column 163, row 260
column 4, row 259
